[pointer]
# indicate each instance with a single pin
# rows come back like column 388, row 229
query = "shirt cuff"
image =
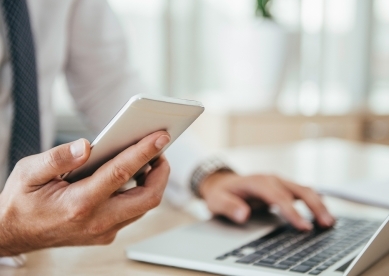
column 15, row 261
column 204, row 170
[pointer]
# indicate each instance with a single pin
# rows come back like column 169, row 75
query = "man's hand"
column 233, row 196
column 39, row 210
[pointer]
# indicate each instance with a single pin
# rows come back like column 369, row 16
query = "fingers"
column 41, row 168
column 116, row 172
column 231, row 206
column 290, row 214
column 123, row 224
column 313, row 201
column 109, row 236
column 273, row 193
column 139, row 200
column 284, row 199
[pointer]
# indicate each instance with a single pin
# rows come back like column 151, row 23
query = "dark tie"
column 25, row 137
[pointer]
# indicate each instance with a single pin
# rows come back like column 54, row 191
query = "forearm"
column 14, row 240
column 8, row 254
column 5, row 248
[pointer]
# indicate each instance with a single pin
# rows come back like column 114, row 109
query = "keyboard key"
column 316, row 259
column 322, row 267
column 310, row 263
column 329, row 263
column 285, row 251
column 249, row 258
column 301, row 268
column 238, row 255
column 293, row 259
column 277, row 255
column 222, row 257
column 286, row 247
column 288, row 263
column 265, row 261
column 276, row 266
column 266, row 238
column 279, row 266
column 271, row 259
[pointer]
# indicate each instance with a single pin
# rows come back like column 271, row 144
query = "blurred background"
column 267, row 71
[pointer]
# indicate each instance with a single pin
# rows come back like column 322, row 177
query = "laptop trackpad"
column 221, row 226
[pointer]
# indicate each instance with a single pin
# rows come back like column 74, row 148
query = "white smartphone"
column 142, row 115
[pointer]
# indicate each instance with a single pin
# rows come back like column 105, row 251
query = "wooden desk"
column 307, row 161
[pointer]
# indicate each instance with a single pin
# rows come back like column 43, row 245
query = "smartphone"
column 142, row 115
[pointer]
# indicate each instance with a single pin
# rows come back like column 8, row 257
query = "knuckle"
column 166, row 167
column 155, row 199
column 309, row 191
column 120, row 174
column 96, row 230
column 105, row 239
column 20, row 167
column 264, row 180
column 22, row 173
column 286, row 197
column 79, row 213
column 21, row 164
column 143, row 156
column 52, row 159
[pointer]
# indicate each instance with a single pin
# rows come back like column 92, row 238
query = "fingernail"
column 240, row 215
column 77, row 148
column 162, row 141
column 328, row 219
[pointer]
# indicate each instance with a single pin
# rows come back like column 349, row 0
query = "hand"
column 39, row 210
column 229, row 194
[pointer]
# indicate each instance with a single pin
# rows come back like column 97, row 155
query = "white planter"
column 253, row 61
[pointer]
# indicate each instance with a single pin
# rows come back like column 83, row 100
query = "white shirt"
column 83, row 40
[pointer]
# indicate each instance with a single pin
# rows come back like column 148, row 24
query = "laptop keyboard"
column 305, row 252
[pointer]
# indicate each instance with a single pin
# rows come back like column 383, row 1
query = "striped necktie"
column 25, row 137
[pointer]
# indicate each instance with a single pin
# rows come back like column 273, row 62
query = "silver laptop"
column 268, row 247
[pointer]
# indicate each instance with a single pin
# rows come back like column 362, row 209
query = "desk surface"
column 327, row 161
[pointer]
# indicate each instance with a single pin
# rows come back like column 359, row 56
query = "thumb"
column 231, row 206
column 41, row 168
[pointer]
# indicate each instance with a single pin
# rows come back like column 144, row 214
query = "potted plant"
column 263, row 8
column 253, row 59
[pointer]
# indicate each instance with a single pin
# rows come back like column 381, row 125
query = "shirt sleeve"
column 184, row 156
column 101, row 80
column 98, row 71
column 15, row 261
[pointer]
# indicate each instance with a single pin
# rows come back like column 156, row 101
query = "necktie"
column 25, row 137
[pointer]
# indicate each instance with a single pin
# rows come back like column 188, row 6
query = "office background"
column 317, row 68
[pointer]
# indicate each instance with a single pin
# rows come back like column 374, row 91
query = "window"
column 338, row 50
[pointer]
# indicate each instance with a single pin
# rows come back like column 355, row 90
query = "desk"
column 325, row 160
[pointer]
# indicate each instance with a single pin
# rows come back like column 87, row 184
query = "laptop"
column 268, row 247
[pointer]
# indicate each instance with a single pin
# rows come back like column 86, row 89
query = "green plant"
column 263, row 8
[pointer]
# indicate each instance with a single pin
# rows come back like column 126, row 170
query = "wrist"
column 205, row 170
column 211, row 180
column 5, row 242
